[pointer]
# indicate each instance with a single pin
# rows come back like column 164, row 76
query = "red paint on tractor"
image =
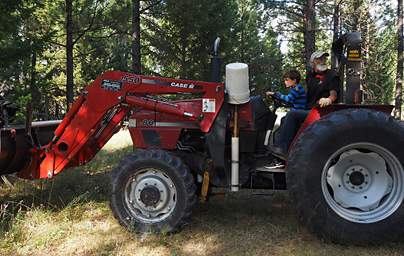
column 317, row 112
column 97, row 114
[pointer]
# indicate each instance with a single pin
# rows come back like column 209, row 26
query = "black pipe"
column 350, row 44
column 216, row 62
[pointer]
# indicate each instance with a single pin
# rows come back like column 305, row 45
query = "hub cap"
column 150, row 196
column 363, row 183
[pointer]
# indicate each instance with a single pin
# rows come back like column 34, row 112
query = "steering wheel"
column 280, row 103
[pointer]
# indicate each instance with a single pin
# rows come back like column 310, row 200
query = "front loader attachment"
column 44, row 149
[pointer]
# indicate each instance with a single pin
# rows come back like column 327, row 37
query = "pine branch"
column 89, row 26
column 150, row 6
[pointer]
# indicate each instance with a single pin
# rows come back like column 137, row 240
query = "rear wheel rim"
column 150, row 196
column 363, row 183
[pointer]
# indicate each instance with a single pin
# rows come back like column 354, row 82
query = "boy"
column 297, row 95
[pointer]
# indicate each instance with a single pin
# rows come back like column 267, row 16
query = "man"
column 322, row 90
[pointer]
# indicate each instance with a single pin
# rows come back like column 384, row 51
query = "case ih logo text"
column 131, row 79
column 181, row 85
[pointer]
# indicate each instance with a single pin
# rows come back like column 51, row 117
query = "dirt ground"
column 70, row 215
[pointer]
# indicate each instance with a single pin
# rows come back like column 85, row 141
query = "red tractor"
column 344, row 168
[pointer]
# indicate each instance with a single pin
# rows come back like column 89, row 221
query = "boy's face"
column 290, row 83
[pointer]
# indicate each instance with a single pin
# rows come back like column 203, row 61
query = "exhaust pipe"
column 237, row 87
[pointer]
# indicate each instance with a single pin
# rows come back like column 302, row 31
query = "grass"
column 70, row 215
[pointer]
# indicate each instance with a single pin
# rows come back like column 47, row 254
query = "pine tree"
column 399, row 75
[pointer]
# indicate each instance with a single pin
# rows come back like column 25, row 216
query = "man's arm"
column 333, row 95
column 334, row 89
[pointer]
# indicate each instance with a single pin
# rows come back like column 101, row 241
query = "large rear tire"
column 152, row 191
column 346, row 176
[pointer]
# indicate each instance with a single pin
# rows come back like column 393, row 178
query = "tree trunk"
column 309, row 32
column 356, row 15
column 69, row 53
column 136, row 65
column 399, row 76
column 36, row 96
column 335, row 34
column 364, row 29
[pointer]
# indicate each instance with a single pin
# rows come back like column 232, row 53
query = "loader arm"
column 98, row 113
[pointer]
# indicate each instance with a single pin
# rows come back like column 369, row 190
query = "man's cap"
column 317, row 55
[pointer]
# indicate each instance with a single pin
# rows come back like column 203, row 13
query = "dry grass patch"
column 70, row 215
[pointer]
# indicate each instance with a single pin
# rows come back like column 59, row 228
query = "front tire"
column 346, row 176
column 152, row 191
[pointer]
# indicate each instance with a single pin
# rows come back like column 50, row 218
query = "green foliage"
column 380, row 71
column 176, row 41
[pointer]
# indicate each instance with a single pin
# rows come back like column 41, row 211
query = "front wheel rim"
column 363, row 183
column 150, row 196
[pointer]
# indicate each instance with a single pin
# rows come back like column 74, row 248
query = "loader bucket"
column 15, row 144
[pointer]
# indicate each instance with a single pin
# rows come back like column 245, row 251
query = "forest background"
column 51, row 49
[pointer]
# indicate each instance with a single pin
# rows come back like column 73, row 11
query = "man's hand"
column 268, row 93
column 324, row 102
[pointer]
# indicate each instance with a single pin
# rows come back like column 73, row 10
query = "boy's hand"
column 268, row 93
column 324, row 102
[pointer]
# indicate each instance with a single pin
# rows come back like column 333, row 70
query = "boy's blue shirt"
column 297, row 97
